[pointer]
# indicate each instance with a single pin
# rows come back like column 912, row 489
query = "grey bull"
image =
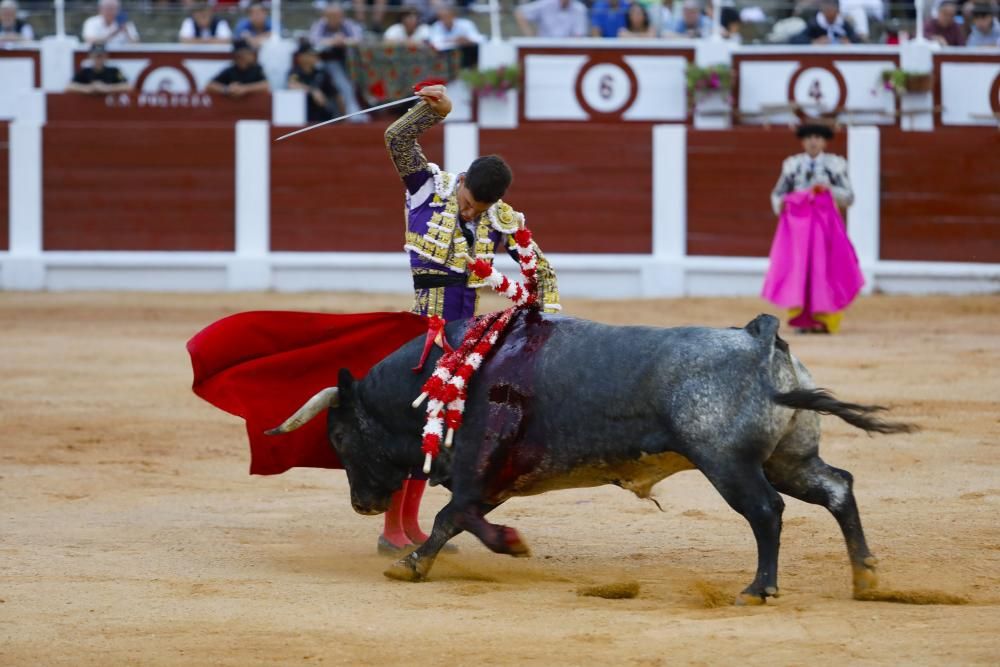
column 567, row 403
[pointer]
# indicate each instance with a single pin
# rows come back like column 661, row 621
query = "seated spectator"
column 662, row 17
column 636, row 23
column 985, row 27
column 332, row 34
column 243, row 77
column 99, row 78
column 409, row 29
column 307, row 76
column 371, row 13
column 204, row 27
column 13, row 29
column 828, row 27
column 552, row 18
column 450, row 32
column 693, row 21
column 110, row 26
column 860, row 13
column 943, row 28
column 607, row 17
column 731, row 25
column 255, row 28
column 334, row 30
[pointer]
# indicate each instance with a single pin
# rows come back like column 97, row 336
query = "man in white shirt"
column 13, row 29
column 553, row 18
column 105, row 28
column 204, row 27
column 450, row 32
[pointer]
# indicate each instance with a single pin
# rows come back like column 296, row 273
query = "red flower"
column 377, row 90
column 481, row 268
column 523, row 238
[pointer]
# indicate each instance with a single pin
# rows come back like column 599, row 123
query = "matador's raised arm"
column 401, row 142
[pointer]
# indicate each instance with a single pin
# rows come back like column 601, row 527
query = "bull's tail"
column 855, row 414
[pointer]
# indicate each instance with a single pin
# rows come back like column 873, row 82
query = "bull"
column 568, row 403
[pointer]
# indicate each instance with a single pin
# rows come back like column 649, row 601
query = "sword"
column 356, row 113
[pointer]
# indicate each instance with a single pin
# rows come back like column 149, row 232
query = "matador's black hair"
column 488, row 178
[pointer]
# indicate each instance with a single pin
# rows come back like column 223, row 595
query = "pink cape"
column 813, row 265
column 264, row 365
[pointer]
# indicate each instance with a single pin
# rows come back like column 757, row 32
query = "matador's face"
column 468, row 207
column 814, row 145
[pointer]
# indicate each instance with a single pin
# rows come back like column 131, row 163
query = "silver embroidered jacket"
column 801, row 172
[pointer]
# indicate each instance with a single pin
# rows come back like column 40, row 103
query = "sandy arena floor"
column 131, row 533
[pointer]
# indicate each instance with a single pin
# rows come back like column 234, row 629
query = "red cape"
column 264, row 365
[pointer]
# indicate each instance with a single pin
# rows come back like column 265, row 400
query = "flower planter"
column 919, row 83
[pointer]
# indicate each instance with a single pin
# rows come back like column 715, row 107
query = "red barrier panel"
column 159, row 108
column 730, row 177
column 335, row 189
column 941, row 195
column 582, row 188
column 138, row 187
column 4, row 185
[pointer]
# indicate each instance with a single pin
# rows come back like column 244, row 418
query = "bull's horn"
column 328, row 398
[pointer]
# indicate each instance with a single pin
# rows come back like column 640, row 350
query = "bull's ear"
column 345, row 381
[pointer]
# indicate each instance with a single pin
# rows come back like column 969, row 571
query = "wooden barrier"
column 941, row 195
column 159, row 108
column 730, row 178
column 138, row 187
column 335, row 189
column 583, row 188
column 4, row 185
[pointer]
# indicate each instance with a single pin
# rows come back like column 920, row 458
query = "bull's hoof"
column 865, row 579
column 515, row 545
column 405, row 570
column 745, row 599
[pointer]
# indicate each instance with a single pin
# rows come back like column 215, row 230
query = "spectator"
column 450, row 32
column 552, row 18
column 860, row 13
column 409, row 29
column 985, row 27
column 828, row 27
column 307, row 76
column 332, row 34
column 98, row 78
column 607, row 17
column 255, row 28
column 375, row 17
column 110, row 26
column 243, row 77
column 693, row 22
column 731, row 25
column 943, row 28
column 204, row 27
column 334, row 30
column 636, row 23
column 662, row 17
column 13, row 29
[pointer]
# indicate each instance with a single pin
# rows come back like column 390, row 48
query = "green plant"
column 701, row 80
column 900, row 81
column 492, row 81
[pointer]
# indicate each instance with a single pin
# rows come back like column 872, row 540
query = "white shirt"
column 397, row 33
column 442, row 38
column 551, row 19
column 96, row 30
column 25, row 33
column 189, row 30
